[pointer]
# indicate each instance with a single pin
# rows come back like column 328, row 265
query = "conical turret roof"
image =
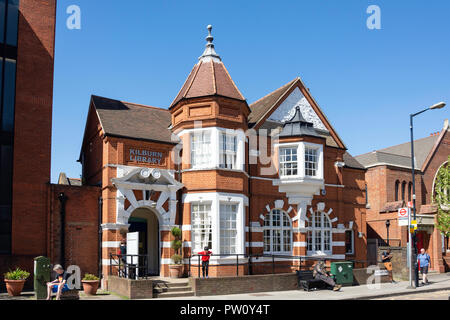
column 209, row 77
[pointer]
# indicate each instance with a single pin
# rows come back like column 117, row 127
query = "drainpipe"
column 62, row 200
column 100, row 219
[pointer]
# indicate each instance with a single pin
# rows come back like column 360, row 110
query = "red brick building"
column 272, row 177
column 31, row 209
column 27, row 53
column 389, row 187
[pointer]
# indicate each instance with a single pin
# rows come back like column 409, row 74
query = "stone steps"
column 176, row 289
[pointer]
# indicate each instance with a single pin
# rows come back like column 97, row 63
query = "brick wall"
column 81, row 232
column 132, row 289
column 245, row 284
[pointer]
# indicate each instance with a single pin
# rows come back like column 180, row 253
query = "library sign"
column 145, row 156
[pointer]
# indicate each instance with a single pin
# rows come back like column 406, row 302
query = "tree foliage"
column 442, row 198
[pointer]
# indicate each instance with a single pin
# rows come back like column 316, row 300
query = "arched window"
column 397, row 186
column 403, row 190
column 410, row 191
column 277, row 232
column 319, row 234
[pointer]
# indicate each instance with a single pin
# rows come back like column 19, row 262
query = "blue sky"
column 367, row 82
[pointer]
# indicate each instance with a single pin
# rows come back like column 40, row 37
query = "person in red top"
column 206, row 254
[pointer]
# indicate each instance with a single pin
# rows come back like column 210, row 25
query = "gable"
column 283, row 108
column 286, row 110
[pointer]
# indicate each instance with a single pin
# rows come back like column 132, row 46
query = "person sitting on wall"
column 320, row 273
column 206, row 254
column 386, row 257
column 59, row 285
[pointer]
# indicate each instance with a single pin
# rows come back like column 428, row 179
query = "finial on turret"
column 210, row 52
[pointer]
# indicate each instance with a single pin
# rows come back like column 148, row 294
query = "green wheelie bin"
column 343, row 272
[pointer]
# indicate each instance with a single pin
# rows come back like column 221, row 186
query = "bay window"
column 201, row 149
column 311, row 162
column 228, row 228
column 201, row 226
column 288, row 161
column 228, row 149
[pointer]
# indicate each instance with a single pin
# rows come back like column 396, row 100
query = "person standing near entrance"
column 386, row 258
column 206, row 254
column 424, row 261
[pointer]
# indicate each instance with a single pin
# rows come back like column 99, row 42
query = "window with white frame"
column 319, row 234
column 277, row 232
column 311, row 161
column 228, row 148
column 288, row 161
column 228, row 228
column 201, row 149
column 201, row 226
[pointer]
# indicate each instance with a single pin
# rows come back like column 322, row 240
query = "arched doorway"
column 145, row 221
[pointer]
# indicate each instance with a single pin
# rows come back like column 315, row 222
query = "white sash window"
column 201, row 149
column 228, row 148
column 201, row 226
column 319, row 234
column 228, row 228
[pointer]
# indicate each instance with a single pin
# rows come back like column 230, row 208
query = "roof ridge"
column 144, row 105
column 232, row 81
column 272, row 92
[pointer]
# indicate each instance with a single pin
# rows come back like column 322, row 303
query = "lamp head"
column 439, row 105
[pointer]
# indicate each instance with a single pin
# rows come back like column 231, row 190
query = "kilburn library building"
column 266, row 186
column 271, row 178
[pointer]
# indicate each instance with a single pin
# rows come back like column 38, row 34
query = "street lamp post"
column 413, row 168
column 388, row 223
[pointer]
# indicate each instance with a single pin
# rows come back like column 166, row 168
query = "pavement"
column 438, row 289
column 438, row 283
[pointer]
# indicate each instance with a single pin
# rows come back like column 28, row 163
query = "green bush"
column 176, row 258
column 176, row 245
column 176, row 232
column 17, row 274
column 89, row 277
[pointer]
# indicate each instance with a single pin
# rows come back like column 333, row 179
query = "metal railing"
column 389, row 242
column 131, row 266
column 271, row 259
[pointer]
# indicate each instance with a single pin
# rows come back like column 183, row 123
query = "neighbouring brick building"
column 30, row 207
column 389, row 188
column 205, row 164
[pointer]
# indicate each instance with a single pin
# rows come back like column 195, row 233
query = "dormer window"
column 311, row 161
column 300, row 160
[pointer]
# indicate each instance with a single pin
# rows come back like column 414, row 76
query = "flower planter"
column 14, row 287
column 175, row 270
column 90, row 287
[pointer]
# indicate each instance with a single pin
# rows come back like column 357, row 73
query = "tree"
column 442, row 199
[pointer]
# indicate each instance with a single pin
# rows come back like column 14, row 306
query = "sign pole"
column 410, row 250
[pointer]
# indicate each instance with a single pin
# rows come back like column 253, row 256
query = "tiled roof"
column 208, row 78
column 400, row 155
column 351, row 162
column 260, row 107
column 124, row 119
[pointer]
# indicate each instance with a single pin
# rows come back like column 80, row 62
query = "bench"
column 306, row 281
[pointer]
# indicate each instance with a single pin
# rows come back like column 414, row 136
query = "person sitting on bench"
column 320, row 273
column 59, row 285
